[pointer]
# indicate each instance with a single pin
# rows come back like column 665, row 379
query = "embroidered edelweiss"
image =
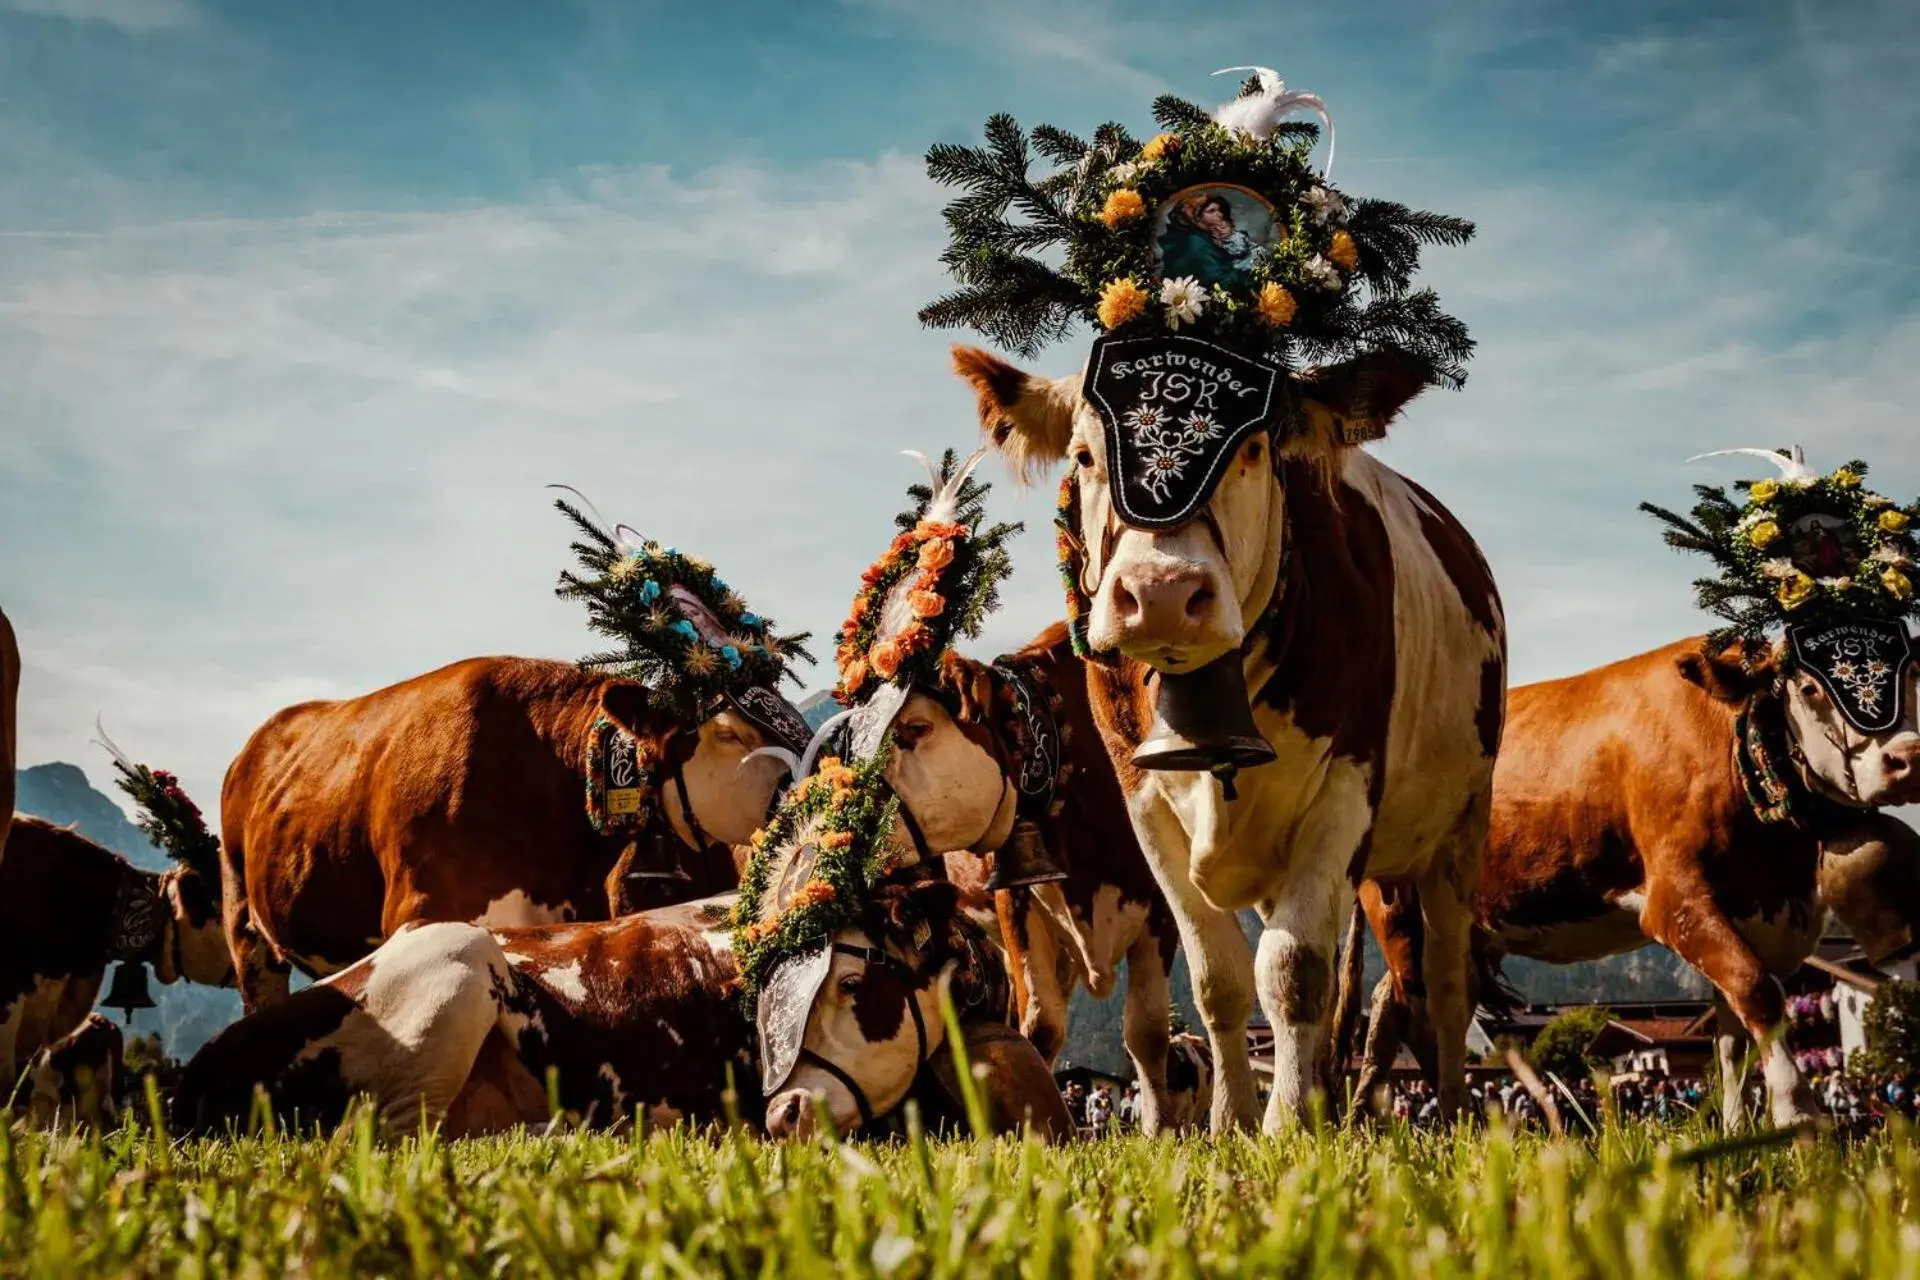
column 1146, row 418
column 1200, row 426
column 1164, row 465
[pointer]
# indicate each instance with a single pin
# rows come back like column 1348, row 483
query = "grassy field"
column 1636, row 1202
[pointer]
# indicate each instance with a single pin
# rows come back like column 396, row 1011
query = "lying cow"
column 636, row 1018
column 76, row 1079
column 68, row 908
column 1372, row 640
column 1622, row 816
column 458, row 795
column 1063, row 935
column 9, row 715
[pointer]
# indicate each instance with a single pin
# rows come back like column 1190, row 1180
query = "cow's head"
column 876, row 1019
column 1178, row 598
column 1836, row 758
column 193, row 941
column 731, row 766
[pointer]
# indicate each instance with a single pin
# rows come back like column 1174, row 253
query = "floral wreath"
column 682, row 631
column 168, row 816
column 1335, row 281
column 938, row 581
column 812, row 866
column 1764, row 584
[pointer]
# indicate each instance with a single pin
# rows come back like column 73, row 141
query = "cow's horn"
column 815, row 743
column 778, row 753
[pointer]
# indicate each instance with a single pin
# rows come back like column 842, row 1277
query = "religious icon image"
column 1215, row 234
column 1823, row 546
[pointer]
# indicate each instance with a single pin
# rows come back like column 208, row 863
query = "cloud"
column 128, row 15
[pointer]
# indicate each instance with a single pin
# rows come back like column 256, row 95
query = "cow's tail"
column 1492, row 991
column 1346, row 1005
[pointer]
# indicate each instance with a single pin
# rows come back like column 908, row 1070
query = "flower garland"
column 1072, row 559
column 1801, row 548
column 169, row 817
column 839, row 817
column 622, row 807
column 682, row 631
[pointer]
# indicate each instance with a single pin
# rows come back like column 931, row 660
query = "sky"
column 302, row 305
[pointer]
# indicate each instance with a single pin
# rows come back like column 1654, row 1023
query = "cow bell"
column 128, row 990
column 1024, row 859
column 653, row 857
column 1203, row 723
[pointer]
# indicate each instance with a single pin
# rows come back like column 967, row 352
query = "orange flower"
column 940, row 529
column 814, row 891
column 837, row 840
column 914, row 638
column 884, row 658
column 1122, row 207
column 935, row 554
column 927, row 604
column 855, row 675
column 1162, row 144
column 861, row 603
column 1274, row 305
column 1121, row 300
column 1343, row 253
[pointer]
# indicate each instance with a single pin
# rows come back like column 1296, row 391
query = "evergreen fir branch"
column 1057, row 145
column 1114, row 139
column 1371, row 217
column 1177, row 115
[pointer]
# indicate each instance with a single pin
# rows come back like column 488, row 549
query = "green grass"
column 1398, row 1203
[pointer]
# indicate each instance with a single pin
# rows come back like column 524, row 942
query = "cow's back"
column 57, row 892
column 433, row 799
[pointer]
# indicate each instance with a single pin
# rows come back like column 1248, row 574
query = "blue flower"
column 751, row 620
column 670, row 553
column 732, row 655
column 718, row 585
column 649, row 591
column 685, row 628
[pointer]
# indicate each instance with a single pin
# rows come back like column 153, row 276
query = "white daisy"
column 1184, row 299
column 1326, row 206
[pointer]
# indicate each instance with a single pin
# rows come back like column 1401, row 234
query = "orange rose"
column 927, row 604
column 884, row 658
column 855, row 675
column 915, row 638
column 935, row 554
column 941, row 529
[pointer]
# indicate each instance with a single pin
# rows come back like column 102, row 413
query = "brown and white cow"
column 75, row 1080
column 1620, row 818
column 1374, row 644
column 637, row 1019
column 68, row 908
column 1064, row 935
column 459, row 795
column 9, row 717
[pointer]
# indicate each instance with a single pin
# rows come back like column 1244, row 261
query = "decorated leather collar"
column 1036, row 738
column 137, row 922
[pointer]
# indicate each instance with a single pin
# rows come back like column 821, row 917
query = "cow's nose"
column 1903, row 765
column 790, row 1114
column 1162, row 603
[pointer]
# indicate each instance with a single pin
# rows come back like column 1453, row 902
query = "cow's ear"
column 970, row 685
column 1732, row 675
column 1358, row 399
column 1028, row 418
column 632, row 706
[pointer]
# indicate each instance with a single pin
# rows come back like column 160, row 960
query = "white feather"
column 1256, row 114
column 110, row 746
column 1792, row 466
column 946, row 501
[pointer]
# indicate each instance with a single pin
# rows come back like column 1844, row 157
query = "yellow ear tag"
column 624, row 801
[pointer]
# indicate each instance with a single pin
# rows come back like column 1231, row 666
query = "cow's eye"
column 908, row 733
column 850, row 985
column 1083, row 457
column 1810, row 690
column 1254, row 449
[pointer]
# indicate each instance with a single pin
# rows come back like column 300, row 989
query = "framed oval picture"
column 1214, row 233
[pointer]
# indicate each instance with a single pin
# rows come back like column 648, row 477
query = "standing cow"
column 9, row 716
column 462, row 795
column 69, row 908
column 1624, row 814
column 1373, row 642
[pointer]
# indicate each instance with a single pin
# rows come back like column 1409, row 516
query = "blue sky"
column 300, row 305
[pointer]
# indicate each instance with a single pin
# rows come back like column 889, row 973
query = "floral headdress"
column 681, row 631
column 168, row 816
column 938, row 581
column 1296, row 273
column 1820, row 557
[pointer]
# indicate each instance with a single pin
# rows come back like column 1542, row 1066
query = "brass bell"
column 1024, row 859
column 1203, row 723
column 652, row 857
column 128, row 990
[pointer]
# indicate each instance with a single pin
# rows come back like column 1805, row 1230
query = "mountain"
column 186, row 1016
column 818, row 708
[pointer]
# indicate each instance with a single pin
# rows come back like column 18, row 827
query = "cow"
column 634, row 1020
column 458, row 795
column 9, row 716
column 1625, row 813
column 1064, row 935
column 1372, row 638
column 77, row 1077
column 68, row 908
column 1189, row 1082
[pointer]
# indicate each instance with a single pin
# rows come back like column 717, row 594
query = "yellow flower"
column 1763, row 490
column 1123, row 206
column 1274, row 305
column 1343, row 253
column 1120, row 301
column 1898, row 585
column 1844, row 479
column 1161, row 145
column 1764, row 534
column 1895, row 521
column 1795, row 591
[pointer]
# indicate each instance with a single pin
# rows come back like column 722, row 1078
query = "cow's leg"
column 1043, row 1018
column 1145, row 1026
column 1294, row 972
column 1446, row 913
column 1729, row 1046
column 1217, row 960
column 1686, row 919
column 1386, row 1031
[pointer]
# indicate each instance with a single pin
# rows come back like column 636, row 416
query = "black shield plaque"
column 773, row 715
column 1175, row 411
column 1862, row 666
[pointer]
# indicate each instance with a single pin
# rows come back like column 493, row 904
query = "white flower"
column 1323, row 274
column 1838, row 584
column 1184, row 300
column 1877, row 500
column 1778, row 567
column 1146, row 417
column 1327, row 206
column 1891, row 556
column 1124, row 173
